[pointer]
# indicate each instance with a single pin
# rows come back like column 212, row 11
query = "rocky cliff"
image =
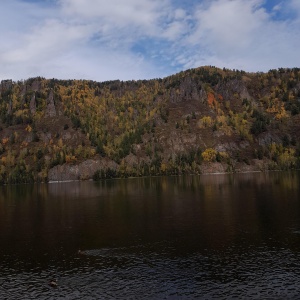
column 197, row 121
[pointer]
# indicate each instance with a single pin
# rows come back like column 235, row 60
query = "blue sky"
column 142, row 39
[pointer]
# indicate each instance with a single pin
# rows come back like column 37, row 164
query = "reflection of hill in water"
column 223, row 231
column 288, row 180
column 217, row 210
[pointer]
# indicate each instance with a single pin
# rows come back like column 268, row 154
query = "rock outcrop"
column 50, row 110
column 82, row 171
column 232, row 87
column 32, row 105
column 5, row 85
column 188, row 90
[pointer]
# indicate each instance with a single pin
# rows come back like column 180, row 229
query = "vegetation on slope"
column 182, row 123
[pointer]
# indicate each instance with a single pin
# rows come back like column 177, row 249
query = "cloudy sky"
column 142, row 39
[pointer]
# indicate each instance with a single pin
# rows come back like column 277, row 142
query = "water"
column 195, row 237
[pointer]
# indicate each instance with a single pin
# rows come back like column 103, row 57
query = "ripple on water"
column 119, row 273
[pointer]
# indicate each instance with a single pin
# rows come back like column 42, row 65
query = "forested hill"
column 197, row 121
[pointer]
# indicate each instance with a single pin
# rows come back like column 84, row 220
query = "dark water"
column 196, row 237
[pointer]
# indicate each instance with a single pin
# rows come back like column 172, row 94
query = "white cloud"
column 42, row 42
column 295, row 4
column 175, row 30
column 277, row 7
column 133, row 39
column 141, row 16
column 101, row 65
column 241, row 34
column 80, row 38
column 230, row 24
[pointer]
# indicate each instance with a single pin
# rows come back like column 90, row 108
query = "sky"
column 141, row 39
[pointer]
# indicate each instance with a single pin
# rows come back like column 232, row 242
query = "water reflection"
column 191, row 232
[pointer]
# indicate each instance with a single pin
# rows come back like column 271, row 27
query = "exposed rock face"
column 268, row 138
column 36, row 85
column 23, row 91
column 50, row 111
column 216, row 167
column 82, row 171
column 5, row 85
column 66, row 136
column 9, row 108
column 131, row 159
column 231, row 87
column 45, row 136
column 32, row 105
column 232, row 146
column 188, row 89
column 177, row 143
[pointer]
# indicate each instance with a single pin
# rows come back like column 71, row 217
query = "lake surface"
column 194, row 237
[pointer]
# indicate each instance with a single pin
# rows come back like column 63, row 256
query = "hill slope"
column 197, row 121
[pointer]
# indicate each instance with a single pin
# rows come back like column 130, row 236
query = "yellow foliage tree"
column 287, row 158
column 206, row 121
column 209, row 155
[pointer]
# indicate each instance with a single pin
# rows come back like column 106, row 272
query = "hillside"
column 197, row 121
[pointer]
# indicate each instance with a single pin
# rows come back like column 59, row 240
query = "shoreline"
column 154, row 176
column 178, row 175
